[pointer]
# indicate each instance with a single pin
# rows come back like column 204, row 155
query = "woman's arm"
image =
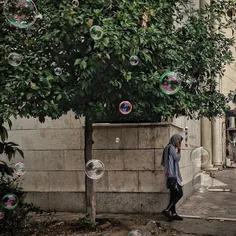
column 174, row 154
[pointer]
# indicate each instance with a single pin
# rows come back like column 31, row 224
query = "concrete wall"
column 134, row 180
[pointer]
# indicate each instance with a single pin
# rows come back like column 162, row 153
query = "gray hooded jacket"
column 171, row 164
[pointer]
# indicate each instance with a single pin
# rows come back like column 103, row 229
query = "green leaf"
column 3, row 133
column 20, row 152
column 59, row 96
column 77, row 62
column 45, row 107
column 29, row 95
column 11, row 144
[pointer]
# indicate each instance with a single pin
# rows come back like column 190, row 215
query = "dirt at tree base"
column 106, row 227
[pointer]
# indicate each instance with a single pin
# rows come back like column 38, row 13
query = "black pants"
column 175, row 196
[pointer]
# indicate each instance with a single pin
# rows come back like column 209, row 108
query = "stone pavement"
column 214, row 204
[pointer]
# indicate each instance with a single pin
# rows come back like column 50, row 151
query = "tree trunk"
column 89, row 183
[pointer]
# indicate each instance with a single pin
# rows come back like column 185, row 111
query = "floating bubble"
column 2, row 214
column 9, row 201
column 169, row 83
column 75, row 3
column 20, row 13
column 134, row 60
column 96, row 32
column 135, row 233
column 117, row 140
column 20, row 168
column 125, row 107
column 201, row 181
column 199, row 156
column 58, row 71
column 94, row 169
column 14, row 59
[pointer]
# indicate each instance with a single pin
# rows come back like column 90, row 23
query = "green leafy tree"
column 9, row 149
column 13, row 220
column 166, row 35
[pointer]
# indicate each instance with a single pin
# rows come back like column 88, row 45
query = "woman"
column 170, row 161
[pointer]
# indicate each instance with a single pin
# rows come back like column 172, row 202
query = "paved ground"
column 214, row 204
column 220, row 207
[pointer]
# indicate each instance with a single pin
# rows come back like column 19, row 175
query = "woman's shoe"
column 177, row 217
column 167, row 214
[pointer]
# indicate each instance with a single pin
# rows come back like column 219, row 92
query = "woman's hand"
column 179, row 147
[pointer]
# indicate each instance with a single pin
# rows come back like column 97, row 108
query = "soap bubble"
column 117, row 140
column 201, row 181
column 169, row 83
column 58, row 71
column 1, row 215
column 14, row 59
column 75, row 3
column 96, row 32
column 135, row 233
column 9, row 201
column 125, row 107
column 134, row 60
column 94, row 169
column 20, row 13
column 200, row 156
column 20, row 168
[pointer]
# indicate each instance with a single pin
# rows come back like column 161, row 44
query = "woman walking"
column 170, row 161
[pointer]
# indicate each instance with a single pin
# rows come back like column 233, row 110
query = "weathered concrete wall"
column 134, row 179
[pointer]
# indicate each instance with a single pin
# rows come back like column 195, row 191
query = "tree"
column 64, row 68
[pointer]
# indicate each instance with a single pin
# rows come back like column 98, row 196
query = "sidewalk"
column 214, row 204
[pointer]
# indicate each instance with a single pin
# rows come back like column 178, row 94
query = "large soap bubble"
column 20, row 168
column 134, row 60
column 200, row 156
column 9, row 201
column 96, row 32
column 94, row 169
column 75, row 3
column 169, row 83
column 58, row 71
column 14, row 59
column 125, row 107
column 20, row 13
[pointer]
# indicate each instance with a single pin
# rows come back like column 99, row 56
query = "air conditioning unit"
column 231, row 122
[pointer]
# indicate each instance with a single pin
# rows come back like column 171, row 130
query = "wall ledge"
column 134, row 125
